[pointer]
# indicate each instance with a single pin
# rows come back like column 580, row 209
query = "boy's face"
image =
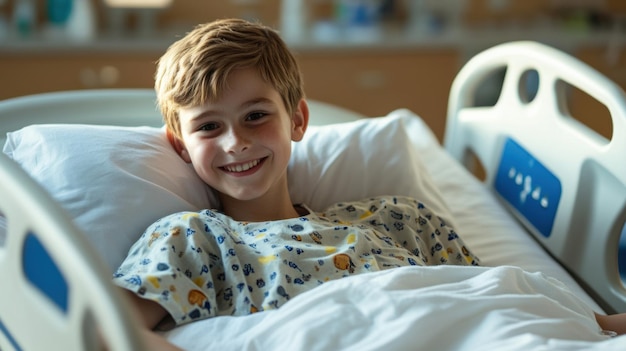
column 240, row 144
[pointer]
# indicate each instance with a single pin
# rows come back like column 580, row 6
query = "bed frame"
column 64, row 303
column 576, row 170
column 585, row 245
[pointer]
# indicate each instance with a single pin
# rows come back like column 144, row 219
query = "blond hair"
column 194, row 70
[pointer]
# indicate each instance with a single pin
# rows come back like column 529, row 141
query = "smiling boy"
column 231, row 95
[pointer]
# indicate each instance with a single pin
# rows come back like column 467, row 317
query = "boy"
column 232, row 98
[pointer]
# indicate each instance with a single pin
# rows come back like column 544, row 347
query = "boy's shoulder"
column 188, row 215
column 386, row 204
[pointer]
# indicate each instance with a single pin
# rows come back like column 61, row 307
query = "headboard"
column 121, row 107
column 570, row 188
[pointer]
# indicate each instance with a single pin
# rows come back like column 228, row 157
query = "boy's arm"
column 148, row 312
column 614, row 322
column 156, row 342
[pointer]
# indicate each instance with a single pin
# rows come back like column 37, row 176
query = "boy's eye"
column 208, row 126
column 255, row 116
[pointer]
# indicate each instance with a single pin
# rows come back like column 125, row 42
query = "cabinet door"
column 28, row 74
column 375, row 83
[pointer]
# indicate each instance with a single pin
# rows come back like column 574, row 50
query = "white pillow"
column 355, row 160
column 116, row 181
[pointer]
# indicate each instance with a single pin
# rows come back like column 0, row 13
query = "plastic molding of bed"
column 591, row 211
column 57, row 277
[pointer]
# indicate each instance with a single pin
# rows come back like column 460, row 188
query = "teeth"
column 242, row 167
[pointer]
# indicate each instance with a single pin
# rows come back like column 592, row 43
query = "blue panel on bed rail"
column 621, row 254
column 41, row 270
column 528, row 186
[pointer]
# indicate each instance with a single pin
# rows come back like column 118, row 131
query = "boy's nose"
column 236, row 141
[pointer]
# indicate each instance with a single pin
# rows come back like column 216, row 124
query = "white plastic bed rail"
column 77, row 282
column 591, row 210
column 75, row 292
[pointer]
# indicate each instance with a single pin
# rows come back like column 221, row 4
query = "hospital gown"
column 203, row 264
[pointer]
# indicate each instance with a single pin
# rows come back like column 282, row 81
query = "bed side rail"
column 56, row 292
column 123, row 107
column 563, row 181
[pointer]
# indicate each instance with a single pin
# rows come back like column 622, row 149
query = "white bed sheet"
column 389, row 308
column 409, row 308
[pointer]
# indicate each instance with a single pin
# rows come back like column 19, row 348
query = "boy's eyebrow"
column 202, row 115
column 245, row 104
column 259, row 100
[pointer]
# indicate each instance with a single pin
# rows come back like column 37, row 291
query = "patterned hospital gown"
column 203, row 264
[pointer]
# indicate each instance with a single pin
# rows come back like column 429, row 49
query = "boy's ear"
column 300, row 120
column 178, row 145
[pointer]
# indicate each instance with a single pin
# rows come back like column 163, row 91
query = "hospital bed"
column 83, row 173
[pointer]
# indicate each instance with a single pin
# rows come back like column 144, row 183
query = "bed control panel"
column 528, row 186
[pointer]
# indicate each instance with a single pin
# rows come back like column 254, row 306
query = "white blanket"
column 415, row 308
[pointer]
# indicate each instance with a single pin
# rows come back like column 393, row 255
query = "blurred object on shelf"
column 4, row 23
column 4, row 27
column 581, row 15
column 341, row 20
column 138, row 4
column 359, row 20
column 616, row 42
column 24, row 18
column 58, row 12
column 293, row 19
column 498, row 5
column 145, row 12
column 81, row 24
column 431, row 17
column 75, row 20
column 421, row 19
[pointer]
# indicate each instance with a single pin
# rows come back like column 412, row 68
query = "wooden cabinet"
column 372, row 82
column 24, row 74
column 376, row 82
column 585, row 108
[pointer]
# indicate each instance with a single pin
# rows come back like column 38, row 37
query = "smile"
column 242, row 167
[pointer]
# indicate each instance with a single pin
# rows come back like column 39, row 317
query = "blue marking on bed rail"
column 621, row 254
column 528, row 186
column 41, row 270
column 9, row 337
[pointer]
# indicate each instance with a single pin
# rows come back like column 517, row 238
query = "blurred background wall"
column 372, row 56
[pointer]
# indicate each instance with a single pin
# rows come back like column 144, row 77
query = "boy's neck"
column 267, row 208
